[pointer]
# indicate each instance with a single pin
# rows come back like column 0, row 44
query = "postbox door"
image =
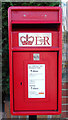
column 23, row 98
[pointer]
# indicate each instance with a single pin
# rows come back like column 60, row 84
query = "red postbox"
column 35, row 60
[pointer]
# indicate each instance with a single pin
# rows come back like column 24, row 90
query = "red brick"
column 64, row 92
column 65, row 85
column 64, row 100
column 64, row 115
column 64, row 107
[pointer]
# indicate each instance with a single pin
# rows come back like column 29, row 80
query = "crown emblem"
column 27, row 40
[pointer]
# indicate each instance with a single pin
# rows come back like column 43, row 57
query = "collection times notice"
column 36, row 80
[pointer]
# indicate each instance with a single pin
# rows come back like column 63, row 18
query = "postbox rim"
column 34, row 8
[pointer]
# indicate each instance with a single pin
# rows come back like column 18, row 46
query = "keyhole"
column 21, row 83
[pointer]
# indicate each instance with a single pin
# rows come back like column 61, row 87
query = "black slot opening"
column 51, row 27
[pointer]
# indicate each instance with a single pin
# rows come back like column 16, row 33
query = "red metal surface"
column 19, row 58
column 30, row 15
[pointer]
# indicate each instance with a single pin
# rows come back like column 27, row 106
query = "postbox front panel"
column 35, row 81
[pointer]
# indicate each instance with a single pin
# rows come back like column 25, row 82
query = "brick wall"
column 64, row 80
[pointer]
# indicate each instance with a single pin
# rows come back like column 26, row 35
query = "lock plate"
column 36, row 56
